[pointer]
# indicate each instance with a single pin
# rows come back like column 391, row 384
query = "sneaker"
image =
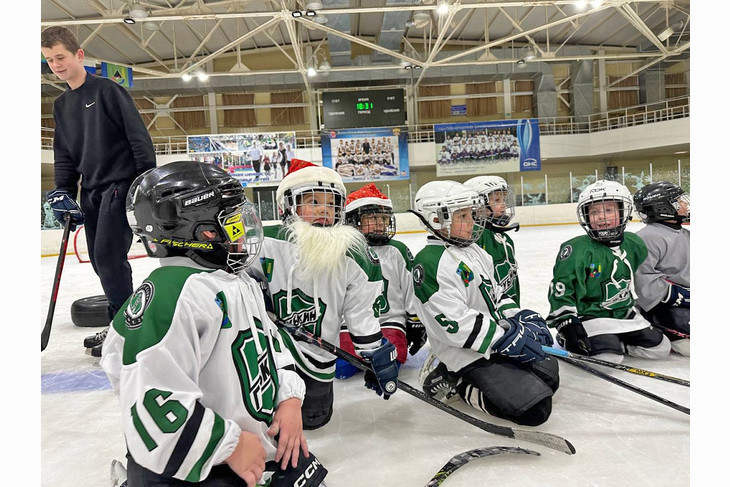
column 97, row 339
column 118, row 474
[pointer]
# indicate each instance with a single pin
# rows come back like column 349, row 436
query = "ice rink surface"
column 621, row 437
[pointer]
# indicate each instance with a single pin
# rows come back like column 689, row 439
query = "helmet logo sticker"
column 138, row 303
column 233, row 227
column 198, row 198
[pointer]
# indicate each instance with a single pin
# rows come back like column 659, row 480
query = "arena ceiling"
column 245, row 45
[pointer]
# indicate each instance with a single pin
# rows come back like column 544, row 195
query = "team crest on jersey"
column 372, row 256
column 138, row 303
column 256, row 372
column 418, row 275
column 565, row 252
column 507, row 274
column 467, row 275
column 302, row 313
column 616, row 294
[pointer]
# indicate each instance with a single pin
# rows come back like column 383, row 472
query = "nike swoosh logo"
column 89, row 104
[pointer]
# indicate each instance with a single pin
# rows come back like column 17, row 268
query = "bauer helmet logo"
column 198, row 198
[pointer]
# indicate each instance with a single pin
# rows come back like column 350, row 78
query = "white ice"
column 621, row 437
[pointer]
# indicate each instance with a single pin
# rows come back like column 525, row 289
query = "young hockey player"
column 662, row 280
column 499, row 202
column 489, row 351
column 320, row 272
column 592, row 294
column 371, row 212
column 207, row 390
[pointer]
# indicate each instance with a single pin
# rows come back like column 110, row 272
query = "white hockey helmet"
column 437, row 201
column 600, row 192
column 304, row 177
column 485, row 186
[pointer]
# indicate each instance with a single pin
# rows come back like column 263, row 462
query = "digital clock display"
column 355, row 109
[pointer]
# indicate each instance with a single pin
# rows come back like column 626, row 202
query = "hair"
column 59, row 35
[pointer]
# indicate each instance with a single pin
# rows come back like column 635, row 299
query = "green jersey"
column 592, row 280
column 502, row 249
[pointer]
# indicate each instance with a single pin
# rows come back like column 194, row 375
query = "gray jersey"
column 668, row 260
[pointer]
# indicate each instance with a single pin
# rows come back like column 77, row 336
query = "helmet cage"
column 293, row 200
column 374, row 237
column 506, row 217
column 611, row 236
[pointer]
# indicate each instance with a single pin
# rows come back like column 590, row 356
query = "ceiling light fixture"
column 128, row 20
column 137, row 11
column 186, row 77
column 202, row 76
column 296, row 14
column 443, row 8
column 310, row 13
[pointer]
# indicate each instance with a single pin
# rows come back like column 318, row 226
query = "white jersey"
column 459, row 301
column 354, row 296
column 667, row 261
column 195, row 360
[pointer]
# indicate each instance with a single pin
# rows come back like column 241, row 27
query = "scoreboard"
column 355, row 109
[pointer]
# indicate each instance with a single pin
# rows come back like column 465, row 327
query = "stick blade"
column 457, row 461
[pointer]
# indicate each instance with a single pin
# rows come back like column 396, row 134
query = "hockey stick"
column 458, row 461
column 46, row 333
column 619, row 382
column 671, row 331
column 545, row 439
column 634, row 370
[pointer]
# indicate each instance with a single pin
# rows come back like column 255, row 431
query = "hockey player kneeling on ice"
column 371, row 212
column 592, row 295
column 321, row 272
column 662, row 280
column 489, row 350
column 208, row 392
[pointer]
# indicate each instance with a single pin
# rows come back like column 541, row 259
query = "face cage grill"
column 509, row 208
column 477, row 214
column 375, row 237
column 608, row 235
column 318, row 211
column 251, row 238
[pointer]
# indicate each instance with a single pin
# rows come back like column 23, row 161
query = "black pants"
column 256, row 166
column 318, row 402
column 220, row 476
column 108, row 238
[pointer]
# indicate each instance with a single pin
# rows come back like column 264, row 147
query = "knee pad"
column 607, row 344
column 548, row 371
column 537, row 414
column 656, row 352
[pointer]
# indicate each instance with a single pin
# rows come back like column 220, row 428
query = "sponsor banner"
column 373, row 154
column 120, row 74
column 255, row 159
column 487, row 147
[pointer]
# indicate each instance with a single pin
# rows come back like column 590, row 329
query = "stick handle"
column 46, row 333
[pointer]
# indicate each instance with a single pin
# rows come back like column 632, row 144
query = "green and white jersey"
column 195, row 360
column 355, row 296
column 396, row 262
column 596, row 283
column 502, row 250
column 459, row 301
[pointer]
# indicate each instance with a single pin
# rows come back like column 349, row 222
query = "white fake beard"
column 323, row 250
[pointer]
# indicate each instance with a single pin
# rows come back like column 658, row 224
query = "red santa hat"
column 307, row 175
column 367, row 195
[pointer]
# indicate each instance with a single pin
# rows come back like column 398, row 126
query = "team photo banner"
column 256, row 159
column 487, row 147
column 371, row 154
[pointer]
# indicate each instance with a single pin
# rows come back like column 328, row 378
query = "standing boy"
column 100, row 141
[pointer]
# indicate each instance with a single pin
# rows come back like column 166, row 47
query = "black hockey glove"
column 308, row 473
column 415, row 334
column 383, row 379
column 61, row 202
column 532, row 320
column 677, row 297
column 518, row 342
column 574, row 335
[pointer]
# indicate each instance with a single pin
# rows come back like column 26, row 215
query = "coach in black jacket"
column 101, row 141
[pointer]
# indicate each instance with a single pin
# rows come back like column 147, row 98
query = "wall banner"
column 487, row 147
column 256, row 159
column 373, row 154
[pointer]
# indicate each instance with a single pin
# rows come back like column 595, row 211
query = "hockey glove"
column 308, row 473
column 61, row 202
column 574, row 335
column 533, row 321
column 383, row 379
column 677, row 297
column 415, row 334
column 518, row 342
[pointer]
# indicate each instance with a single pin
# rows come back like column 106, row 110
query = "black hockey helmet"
column 660, row 202
column 171, row 206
